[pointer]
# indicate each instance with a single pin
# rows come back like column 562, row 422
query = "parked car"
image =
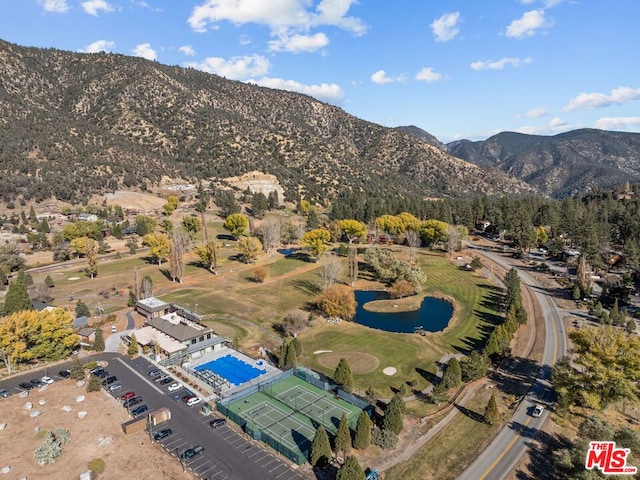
column 127, row 396
column 96, row 371
column 164, row 433
column 4, row 393
column 26, row 385
column 64, row 373
column 175, row 386
column 217, row 422
column 188, row 397
column 115, row 386
column 159, row 378
column 189, row 453
column 193, row 401
column 165, row 380
column 47, row 380
column 154, row 373
column 139, row 410
column 37, row 382
column 113, row 329
column 132, row 401
column 109, row 380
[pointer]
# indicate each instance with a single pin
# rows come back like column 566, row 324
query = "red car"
column 127, row 396
column 186, row 398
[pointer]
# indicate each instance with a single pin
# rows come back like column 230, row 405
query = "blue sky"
column 455, row 68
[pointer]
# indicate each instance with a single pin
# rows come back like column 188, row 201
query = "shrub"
column 260, row 274
column 383, row 438
column 96, row 465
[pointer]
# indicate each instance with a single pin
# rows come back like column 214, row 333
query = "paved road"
column 228, row 455
column 504, row 452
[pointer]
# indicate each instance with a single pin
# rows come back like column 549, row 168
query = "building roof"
column 86, row 332
column 148, row 335
column 152, row 303
column 79, row 322
column 178, row 327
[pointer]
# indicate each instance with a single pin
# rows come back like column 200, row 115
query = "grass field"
column 412, row 355
column 451, row 450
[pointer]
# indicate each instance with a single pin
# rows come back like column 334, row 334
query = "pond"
column 432, row 316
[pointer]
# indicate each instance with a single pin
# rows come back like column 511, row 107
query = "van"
column 109, row 380
column 193, row 401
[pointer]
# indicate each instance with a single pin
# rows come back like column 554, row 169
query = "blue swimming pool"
column 232, row 368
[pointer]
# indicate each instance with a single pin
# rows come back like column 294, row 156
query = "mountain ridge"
column 76, row 124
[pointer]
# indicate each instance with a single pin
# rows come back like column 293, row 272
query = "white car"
column 193, row 401
column 175, row 386
column 537, row 410
column 47, row 380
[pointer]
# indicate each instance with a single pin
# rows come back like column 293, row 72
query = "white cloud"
column 144, row 50
column 236, row 68
column 56, row 6
column 380, row 77
column 326, row 92
column 446, row 28
column 536, row 112
column 613, row 123
column 557, row 122
column 99, row 46
column 500, row 64
column 429, row 75
column 280, row 16
column 299, row 43
column 187, row 50
column 92, row 7
column 244, row 40
column 618, row 96
column 528, row 25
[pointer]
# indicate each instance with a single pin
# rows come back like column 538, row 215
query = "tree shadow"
column 515, row 375
column 432, row 378
column 475, row 416
column 306, row 286
column 540, row 465
column 166, row 273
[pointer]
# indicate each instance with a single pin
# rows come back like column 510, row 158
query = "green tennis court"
column 287, row 413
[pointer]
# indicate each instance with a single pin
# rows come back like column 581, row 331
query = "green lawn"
column 447, row 454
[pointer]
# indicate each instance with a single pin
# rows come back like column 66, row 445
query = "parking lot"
column 226, row 454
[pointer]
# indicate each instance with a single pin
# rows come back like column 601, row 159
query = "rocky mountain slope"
column 569, row 163
column 75, row 124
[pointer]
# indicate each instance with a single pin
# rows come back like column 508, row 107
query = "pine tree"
column 17, row 298
column 94, row 384
column 98, row 343
column 81, row 309
column 290, row 360
column 370, row 395
column 392, row 418
column 343, row 437
column 351, row 470
column 77, row 369
column 452, row 376
column 397, row 398
column 343, row 376
column 320, row 454
column 133, row 349
column 362, row 438
column 491, row 413
column 48, row 281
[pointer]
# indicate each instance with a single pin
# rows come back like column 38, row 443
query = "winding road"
column 506, row 449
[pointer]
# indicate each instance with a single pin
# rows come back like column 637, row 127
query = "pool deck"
column 271, row 371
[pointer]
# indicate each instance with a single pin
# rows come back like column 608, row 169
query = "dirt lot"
column 98, row 435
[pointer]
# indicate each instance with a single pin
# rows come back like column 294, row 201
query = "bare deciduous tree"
column 330, row 269
column 454, row 238
column 353, row 265
column 179, row 245
column 414, row 242
column 270, row 229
